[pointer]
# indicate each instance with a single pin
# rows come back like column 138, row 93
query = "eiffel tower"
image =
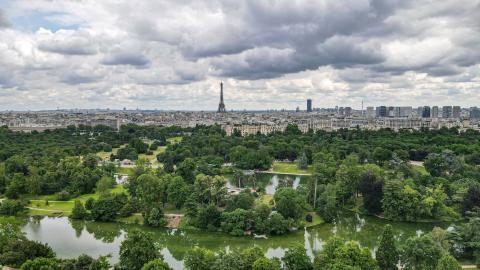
column 221, row 105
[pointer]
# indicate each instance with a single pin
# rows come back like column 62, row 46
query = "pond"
column 267, row 182
column 72, row 238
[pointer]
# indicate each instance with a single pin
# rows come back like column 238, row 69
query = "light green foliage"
column 104, row 184
column 229, row 261
column 420, row 253
column 9, row 230
column 266, row 264
column 136, row 250
column 157, row 264
column 340, row 255
column 296, row 259
column 199, row 259
column 250, row 255
column 210, row 189
column 447, row 262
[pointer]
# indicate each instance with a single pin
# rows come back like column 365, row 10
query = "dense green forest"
column 415, row 176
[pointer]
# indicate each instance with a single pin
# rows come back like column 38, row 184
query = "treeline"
column 77, row 141
column 431, row 251
column 64, row 160
column 210, row 145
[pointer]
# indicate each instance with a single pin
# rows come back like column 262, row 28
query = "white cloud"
column 172, row 54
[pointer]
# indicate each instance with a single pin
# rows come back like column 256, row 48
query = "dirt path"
column 174, row 220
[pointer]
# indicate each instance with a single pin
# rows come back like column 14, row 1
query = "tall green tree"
column 387, row 254
column 448, row 262
column 136, row 250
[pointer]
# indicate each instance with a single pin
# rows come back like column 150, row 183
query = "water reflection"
column 72, row 238
column 269, row 183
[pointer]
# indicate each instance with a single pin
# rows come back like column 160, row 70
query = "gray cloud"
column 333, row 50
column 4, row 22
column 126, row 58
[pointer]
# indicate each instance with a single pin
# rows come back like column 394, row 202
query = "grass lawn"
column 317, row 220
column 420, row 169
column 153, row 157
column 133, row 219
column 103, row 155
column 264, row 199
column 176, row 139
column 96, row 195
column 52, row 209
column 124, row 170
column 290, row 167
column 55, row 207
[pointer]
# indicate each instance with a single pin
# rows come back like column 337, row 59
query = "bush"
column 79, row 211
column 63, row 195
column 11, row 207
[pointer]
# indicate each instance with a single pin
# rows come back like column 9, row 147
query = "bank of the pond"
column 72, row 238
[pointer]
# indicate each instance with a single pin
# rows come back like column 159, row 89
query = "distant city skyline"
column 172, row 55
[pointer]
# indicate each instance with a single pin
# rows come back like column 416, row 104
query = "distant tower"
column 221, row 105
column 309, row 105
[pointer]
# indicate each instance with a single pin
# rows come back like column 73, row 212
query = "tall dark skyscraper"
column 309, row 105
column 426, row 112
column 221, row 105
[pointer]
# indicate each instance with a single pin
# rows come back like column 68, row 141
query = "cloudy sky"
column 269, row 53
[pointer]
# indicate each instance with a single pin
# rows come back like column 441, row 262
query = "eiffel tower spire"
column 221, row 105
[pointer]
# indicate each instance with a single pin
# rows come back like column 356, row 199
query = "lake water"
column 70, row 238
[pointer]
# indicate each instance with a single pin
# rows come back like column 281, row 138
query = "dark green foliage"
column 79, row 211
column 237, row 221
column 155, row 218
column 178, row 192
column 16, row 252
column 244, row 200
column 11, row 207
column 290, row 203
column 41, row 264
column 89, row 203
column 186, row 169
column 208, row 217
column 107, row 208
column 278, row 224
column 136, row 250
column 127, row 153
column 372, row 191
column 420, row 253
column 387, row 254
column 302, row 162
column 471, row 201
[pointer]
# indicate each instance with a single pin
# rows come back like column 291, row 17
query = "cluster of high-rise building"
column 265, row 122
